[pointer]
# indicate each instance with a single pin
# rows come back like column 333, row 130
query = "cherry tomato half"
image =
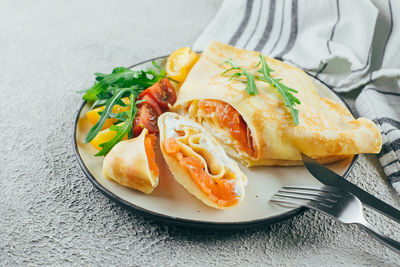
column 146, row 117
column 152, row 104
column 162, row 92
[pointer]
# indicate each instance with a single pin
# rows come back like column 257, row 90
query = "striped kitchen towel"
column 380, row 101
column 346, row 44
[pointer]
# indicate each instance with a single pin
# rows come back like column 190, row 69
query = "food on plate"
column 257, row 109
column 179, row 63
column 199, row 163
column 266, row 112
column 157, row 99
column 124, row 103
column 132, row 163
column 103, row 137
column 93, row 115
column 162, row 92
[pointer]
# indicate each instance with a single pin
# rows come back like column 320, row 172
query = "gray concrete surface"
column 50, row 214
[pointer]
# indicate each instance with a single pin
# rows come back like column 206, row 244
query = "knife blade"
column 328, row 177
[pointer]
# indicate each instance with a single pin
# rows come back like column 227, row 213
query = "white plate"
column 171, row 203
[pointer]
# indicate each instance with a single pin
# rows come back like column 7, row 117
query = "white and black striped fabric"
column 346, row 44
column 380, row 101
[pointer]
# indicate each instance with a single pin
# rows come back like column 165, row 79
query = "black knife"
column 328, row 177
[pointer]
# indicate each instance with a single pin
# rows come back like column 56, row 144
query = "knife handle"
column 384, row 209
column 387, row 241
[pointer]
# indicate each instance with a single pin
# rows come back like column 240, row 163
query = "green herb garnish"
column 251, row 89
column 109, row 90
column 286, row 92
column 122, row 77
column 123, row 128
column 107, row 112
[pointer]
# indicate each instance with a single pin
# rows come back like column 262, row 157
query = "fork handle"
column 387, row 241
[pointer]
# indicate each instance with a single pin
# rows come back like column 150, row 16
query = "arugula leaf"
column 286, row 92
column 106, row 113
column 123, row 128
column 157, row 70
column 106, row 80
column 122, row 77
column 108, row 91
column 251, row 87
column 265, row 70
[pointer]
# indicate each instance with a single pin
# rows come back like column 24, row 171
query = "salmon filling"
column 229, row 118
column 220, row 191
column 149, row 142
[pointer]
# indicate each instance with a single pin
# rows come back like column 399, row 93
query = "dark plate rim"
column 189, row 222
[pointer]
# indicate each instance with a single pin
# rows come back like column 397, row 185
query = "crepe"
column 326, row 131
column 132, row 163
column 199, row 163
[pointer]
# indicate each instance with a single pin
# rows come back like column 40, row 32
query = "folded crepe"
column 259, row 129
column 132, row 163
column 199, row 163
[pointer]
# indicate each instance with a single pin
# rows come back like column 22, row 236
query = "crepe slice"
column 259, row 129
column 132, row 163
column 199, row 163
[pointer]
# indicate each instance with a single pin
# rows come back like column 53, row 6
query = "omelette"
column 259, row 129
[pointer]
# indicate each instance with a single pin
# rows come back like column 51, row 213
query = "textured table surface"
column 51, row 214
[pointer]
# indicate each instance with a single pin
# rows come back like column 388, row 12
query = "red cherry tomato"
column 162, row 92
column 152, row 104
column 146, row 117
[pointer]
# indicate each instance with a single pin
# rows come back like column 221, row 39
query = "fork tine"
column 315, row 199
column 327, row 189
column 315, row 195
column 298, row 202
